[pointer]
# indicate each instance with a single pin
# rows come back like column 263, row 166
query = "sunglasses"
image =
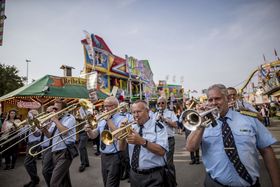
column 161, row 103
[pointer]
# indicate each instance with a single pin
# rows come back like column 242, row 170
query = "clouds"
column 204, row 41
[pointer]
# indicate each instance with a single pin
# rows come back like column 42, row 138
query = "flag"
column 264, row 58
column 275, row 52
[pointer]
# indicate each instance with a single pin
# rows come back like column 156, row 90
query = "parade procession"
column 189, row 97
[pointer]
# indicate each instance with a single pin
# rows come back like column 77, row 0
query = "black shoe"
column 87, row 165
column 82, row 168
column 7, row 167
column 29, row 184
column 12, row 167
column 197, row 162
column 192, row 162
column 125, row 176
column 97, row 153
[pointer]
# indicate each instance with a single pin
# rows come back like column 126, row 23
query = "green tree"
column 9, row 79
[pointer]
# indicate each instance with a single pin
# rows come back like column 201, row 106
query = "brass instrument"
column 160, row 114
column 89, row 119
column 108, row 137
column 192, row 120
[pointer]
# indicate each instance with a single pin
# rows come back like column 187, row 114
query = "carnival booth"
column 43, row 92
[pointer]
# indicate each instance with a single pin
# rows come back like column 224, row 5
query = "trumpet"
column 108, row 137
column 193, row 120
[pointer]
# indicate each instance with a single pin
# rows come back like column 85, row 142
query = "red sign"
column 25, row 104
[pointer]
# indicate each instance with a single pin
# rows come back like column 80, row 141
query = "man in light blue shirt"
column 169, row 120
column 61, row 156
column 110, row 158
column 248, row 137
column 33, row 136
column 149, row 137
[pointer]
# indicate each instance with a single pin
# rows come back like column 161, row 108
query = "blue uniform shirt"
column 46, row 143
column 153, row 134
column 31, row 136
column 68, row 121
column 168, row 114
column 249, row 135
column 117, row 120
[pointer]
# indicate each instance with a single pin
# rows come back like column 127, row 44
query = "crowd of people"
column 136, row 143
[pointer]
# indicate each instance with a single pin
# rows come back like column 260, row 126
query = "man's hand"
column 135, row 138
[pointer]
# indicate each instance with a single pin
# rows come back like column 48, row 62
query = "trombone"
column 88, row 119
column 193, row 120
column 108, row 137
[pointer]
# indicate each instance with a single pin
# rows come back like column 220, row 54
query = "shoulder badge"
column 248, row 113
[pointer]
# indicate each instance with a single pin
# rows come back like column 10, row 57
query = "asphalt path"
column 187, row 175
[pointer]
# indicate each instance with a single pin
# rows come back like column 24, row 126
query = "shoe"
column 87, row 165
column 192, row 162
column 125, row 175
column 7, row 167
column 82, row 168
column 12, row 167
column 197, row 162
column 97, row 153
column 29, row 184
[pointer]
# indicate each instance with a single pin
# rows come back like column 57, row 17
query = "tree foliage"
column 9, row 79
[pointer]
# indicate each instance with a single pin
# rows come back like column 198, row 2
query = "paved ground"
column 187, row 175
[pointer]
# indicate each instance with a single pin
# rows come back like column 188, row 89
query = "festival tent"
column 46, row 89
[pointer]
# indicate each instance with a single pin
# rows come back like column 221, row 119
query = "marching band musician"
column 60, row 154
column 83, row 139
column 47, row 132
column 147, row 147
column 33, row 136
column 8, row 127
column 124, row 154
column 230, row 147
column 169, row 119
column 110, row 158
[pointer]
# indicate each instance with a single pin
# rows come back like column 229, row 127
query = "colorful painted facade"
column 133, row 77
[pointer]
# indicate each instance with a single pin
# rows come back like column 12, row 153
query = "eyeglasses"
column 108, row 106
column 161, row 103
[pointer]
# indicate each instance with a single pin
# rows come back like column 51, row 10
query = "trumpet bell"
column 107, row 137
column 192, row 120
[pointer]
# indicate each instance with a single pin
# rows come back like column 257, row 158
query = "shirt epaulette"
column 248, row 113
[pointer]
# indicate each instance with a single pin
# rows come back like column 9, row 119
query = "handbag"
column 73, row 151
column 169, row 179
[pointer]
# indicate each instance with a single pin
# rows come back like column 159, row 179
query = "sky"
column 206, row 42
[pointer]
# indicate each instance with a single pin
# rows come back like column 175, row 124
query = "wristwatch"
column 145, row 144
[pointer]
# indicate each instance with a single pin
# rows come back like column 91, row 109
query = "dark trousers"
column 154, row 179
column 11, row 154
column 170, row 154
column 125, row 162
column 47, row 166
column 111, row 169
column 83, row 139
column 195, row 156
column 30, row 163
column 61, row 175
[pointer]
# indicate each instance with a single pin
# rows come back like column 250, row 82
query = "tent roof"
column 54, row 86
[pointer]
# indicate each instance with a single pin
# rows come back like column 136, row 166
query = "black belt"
column 59, row 151
column 257, row 183
column 109, row 154
column 147, row 171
